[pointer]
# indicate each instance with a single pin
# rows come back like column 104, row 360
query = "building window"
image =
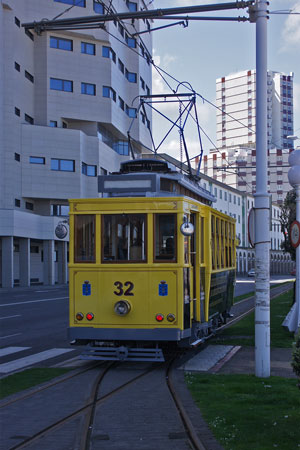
column 29, row 205
column 53, row 123
column 29, row 34
column 17, row 202
column 17, row 67
column 132, row 6
column 72, row 2
column 98, row 7
column 61, row 85
column 121, row 66
column 107, row 52
column 131, row 42
column 90, row 171
column 29, row 76
column 29, row 119
column 64, row 125
column 109, row 92
column 131, row 112
column 107, row 137
column 142, row 83
column 17, row 112
column 64, row 165
column 17, row 157
column 17, row 22
column 60, row 210
column 121, row 103
column 88, row 49
column 88, row 89
column 36, row 160
column 131, row 76
column 121, row 29
column 61, row 44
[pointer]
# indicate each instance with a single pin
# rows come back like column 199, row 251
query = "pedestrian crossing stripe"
column 32, row 359
column 10, row 350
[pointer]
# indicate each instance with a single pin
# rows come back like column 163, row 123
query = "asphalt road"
column 34, row 322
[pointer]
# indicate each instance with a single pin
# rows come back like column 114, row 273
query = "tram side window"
column 84, row 238
column 165, row 237
column 124, row 238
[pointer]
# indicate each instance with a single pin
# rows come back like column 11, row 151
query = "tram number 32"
column 124, row 291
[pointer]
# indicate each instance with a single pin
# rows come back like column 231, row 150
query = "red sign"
column 295, row 233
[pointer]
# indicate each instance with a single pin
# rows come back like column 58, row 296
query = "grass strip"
column 243, row 332
column 245, row 412
column 27, row 379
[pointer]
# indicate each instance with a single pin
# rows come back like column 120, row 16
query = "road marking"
column 10, row 350
column 10, row 335
column 33, row 359
column 10, row 317
column 35, row 301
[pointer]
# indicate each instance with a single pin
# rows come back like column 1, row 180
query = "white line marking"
column 35, row 301
column 10, row 350
column 10, row 335
column 33, row 359
column 10, row 317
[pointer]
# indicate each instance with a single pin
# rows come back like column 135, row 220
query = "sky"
column 207, row 50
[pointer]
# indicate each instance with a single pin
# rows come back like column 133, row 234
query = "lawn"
column 27, row 379
column 245, row 412
column 243, row 332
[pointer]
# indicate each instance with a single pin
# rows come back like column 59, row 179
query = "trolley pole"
column 262, row 200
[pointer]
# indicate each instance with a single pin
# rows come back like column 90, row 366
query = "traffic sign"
column 295, row 233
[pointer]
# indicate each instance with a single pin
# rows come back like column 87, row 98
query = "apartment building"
column 238, row 204
column 236, row 166
column 236, row 113
column 67, row 100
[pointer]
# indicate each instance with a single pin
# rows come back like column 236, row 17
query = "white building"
column 238, row 204
column 236, row 113
column 66, row 104
column 236, row 166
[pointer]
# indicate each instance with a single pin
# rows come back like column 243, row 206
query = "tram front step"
column 122, row 354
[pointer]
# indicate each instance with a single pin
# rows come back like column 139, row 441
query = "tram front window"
column 84, row 238
column 124, row 238
column 165, row 237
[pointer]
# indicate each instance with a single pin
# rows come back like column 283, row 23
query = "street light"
column 292, row 320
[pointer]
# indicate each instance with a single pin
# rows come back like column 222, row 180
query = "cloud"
column 291, row 30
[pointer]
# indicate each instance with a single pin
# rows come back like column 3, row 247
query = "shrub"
column 296, row 357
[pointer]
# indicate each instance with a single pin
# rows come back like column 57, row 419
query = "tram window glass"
column 202, row 239
column 222, row 244
column 213, row 256
column 124, row 238
column 84, row 238
column 165, row 237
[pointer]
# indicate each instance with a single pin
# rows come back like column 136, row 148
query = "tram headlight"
column 122, row 308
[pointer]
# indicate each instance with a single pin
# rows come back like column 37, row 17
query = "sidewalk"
column 228, row 359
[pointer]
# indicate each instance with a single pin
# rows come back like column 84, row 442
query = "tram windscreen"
column 84, row 250
column 124, row 238
column 165, row 237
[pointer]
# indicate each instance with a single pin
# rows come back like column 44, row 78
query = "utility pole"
column 262, row 199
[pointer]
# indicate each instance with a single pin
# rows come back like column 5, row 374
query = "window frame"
column 85, row 88
column 58, row 41
column 63, row 85
column 60, row 169
column 156, row 257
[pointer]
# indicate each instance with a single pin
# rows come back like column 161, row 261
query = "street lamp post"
column 293, row 318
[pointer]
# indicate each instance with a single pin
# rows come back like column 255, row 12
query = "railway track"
column 134, row 404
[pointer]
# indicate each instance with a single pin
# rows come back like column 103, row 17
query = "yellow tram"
column 151, row 262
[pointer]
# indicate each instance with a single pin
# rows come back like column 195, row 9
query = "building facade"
column 236, row 113
column 236, row 166
column 67, row 100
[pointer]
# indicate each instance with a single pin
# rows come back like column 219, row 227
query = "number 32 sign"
column 295, row 233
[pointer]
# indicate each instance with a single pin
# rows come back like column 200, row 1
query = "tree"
column 288, row 215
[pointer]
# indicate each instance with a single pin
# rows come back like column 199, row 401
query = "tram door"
column 189, row 275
